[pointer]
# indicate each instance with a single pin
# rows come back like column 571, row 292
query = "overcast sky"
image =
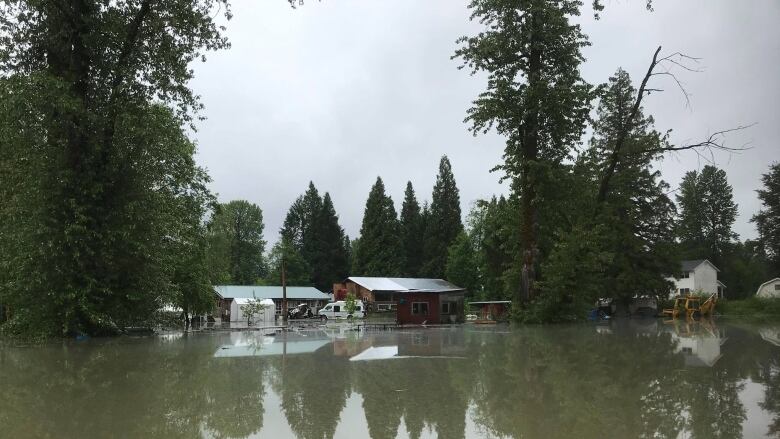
column 342, row 91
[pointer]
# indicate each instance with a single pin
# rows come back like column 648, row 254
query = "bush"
column 754, row 308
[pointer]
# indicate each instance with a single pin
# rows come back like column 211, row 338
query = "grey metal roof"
column 405, row 284
column 693, row 263
column 269, row 292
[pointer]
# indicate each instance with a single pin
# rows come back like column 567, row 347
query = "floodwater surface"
column 629, row 379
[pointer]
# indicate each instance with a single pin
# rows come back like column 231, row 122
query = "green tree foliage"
column 236, row 243
column 297, row 270
column 443, row 224
column 332, row 246
column 535, row 97
column 462, row 268
column 104, row 87
column 491, row 225
column 745, row 266
column 767, row 220
column 707, row 213
column 621, row 240
column 412, row 233
column 379, row 251
column 312, row 227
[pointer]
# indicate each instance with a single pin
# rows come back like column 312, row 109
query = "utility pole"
column 284, row 291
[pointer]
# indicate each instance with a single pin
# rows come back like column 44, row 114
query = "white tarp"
column 267, row 316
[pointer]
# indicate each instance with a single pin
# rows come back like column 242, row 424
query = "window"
column 445, row 308
column 336, row 308
column 687, row 350
column 278, row 304
column 420, row 308
column 686, row 274
column 685, row 291
column 777, row 287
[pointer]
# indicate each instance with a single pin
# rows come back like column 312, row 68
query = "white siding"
column 769, row 289
column 705, row 278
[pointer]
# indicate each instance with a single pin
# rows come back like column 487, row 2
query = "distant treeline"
column 105, row 217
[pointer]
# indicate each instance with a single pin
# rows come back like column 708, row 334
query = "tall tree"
column 535, row 97
column 331, row 246
column 97, row 71
column 311, row 227
column 462, row 268
column 379, row 251
column 412, row 233
column 237, row 244
column 706, row 202
column 444, row 221
column 285, row 255
column 767, row 220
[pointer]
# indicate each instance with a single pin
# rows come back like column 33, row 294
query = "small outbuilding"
column 414, row 300
column 231, row 297
column 496, row 310
column 769, row 289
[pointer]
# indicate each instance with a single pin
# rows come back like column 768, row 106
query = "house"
column 414, row 300
column 229, row 298
column 698, row 275
column 769, row 289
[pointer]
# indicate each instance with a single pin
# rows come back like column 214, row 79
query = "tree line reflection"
column 629, row 379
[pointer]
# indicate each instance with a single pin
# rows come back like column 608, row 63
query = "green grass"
column 753, row 308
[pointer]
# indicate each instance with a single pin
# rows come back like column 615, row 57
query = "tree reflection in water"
column 627, row 379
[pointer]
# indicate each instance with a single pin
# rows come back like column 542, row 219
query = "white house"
column 769, row 289
column 698, row 275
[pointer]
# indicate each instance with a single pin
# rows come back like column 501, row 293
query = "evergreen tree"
column 412, row 233
column 462, row 267
column 490, row 223
column 298, row 272
column 706, row 202
column 619, row 242
column 767, row 220
column 443, row 223
column 379, row 252
column 237, row 244
column 311, row 227
column 332, row 251
column 535, row 97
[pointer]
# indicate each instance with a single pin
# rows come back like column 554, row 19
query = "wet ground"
column 638, row 378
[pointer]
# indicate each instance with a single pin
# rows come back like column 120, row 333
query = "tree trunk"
column 529, row 151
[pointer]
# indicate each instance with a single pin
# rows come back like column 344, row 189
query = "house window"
column 686, row 274
column 445, row 308
column 777, row 287
column 420, row 308
column 685, row 291
column 278, row 304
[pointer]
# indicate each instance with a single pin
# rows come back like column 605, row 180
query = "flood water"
column 629, row 379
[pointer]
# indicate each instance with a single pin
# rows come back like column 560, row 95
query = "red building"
column 414, row 300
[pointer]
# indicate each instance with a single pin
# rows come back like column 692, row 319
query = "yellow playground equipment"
column 692, row 306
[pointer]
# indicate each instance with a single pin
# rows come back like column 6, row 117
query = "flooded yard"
column 638, row 378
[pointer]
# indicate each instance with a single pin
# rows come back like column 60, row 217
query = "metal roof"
column 405, row 284
column 269, row 292
column 692, row 264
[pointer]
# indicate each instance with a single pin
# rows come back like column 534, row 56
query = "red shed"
column 415, row 300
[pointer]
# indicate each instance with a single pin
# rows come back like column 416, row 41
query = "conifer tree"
column 412, row 233
column 707, row 214
column 535, row 97
column 332, row 254
column 767, row 220
column 444, row 223
column 379, row 252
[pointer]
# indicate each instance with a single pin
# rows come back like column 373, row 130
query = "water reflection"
column 631, row 378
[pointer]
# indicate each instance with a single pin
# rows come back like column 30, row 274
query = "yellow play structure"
column 692, row 306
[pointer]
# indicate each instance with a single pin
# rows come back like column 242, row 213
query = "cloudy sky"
column 342, row 91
